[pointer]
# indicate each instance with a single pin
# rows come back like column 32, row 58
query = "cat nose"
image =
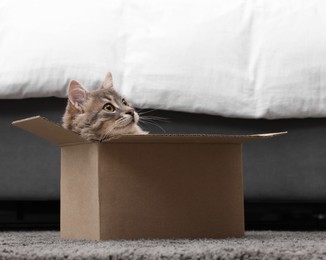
column 130, row 112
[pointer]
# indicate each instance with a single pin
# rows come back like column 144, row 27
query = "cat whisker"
column 152, row 123
column 152, row 120
column 156, row 118
column 107, row 133
column 140, row 109
column 146, row 112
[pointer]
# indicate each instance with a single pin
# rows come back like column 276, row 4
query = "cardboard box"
column 153, row 186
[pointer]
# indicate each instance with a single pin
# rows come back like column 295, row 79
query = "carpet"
column 255, row 245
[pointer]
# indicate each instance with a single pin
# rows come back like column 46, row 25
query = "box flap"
column 51, row 131
column 193, row 138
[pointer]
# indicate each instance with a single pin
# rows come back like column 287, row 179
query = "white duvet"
column 234, row 58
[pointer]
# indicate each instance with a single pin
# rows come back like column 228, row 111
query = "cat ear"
column 108, row 82
column 77, row 94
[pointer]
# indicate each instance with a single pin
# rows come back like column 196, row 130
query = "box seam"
column 98, row 190
column 182, row 143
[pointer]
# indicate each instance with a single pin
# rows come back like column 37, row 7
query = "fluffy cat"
column 101, row 114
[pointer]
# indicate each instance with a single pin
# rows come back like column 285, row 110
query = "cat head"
column 100, row 114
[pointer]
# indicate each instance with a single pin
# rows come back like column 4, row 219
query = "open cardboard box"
column 152, row 186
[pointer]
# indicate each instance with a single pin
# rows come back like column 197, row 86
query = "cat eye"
column 109, row 107
column 125, row 102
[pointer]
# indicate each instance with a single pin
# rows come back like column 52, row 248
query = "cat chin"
column 139, row 131
column 132, row 129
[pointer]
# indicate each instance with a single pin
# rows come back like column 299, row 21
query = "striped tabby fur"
column 101, row 114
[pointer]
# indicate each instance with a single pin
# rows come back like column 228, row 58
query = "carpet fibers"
column 255, row 245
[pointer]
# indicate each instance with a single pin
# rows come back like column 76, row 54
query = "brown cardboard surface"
column 151, row 186
column 55, row 133
column 51, row 131
column 192, row 138
column 170, row 191
column 79, row 192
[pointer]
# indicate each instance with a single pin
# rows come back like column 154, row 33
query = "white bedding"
column 247, row 59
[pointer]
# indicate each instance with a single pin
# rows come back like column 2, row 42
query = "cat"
column 101, row 114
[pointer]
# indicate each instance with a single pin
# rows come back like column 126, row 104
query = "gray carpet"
column 256, row 245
